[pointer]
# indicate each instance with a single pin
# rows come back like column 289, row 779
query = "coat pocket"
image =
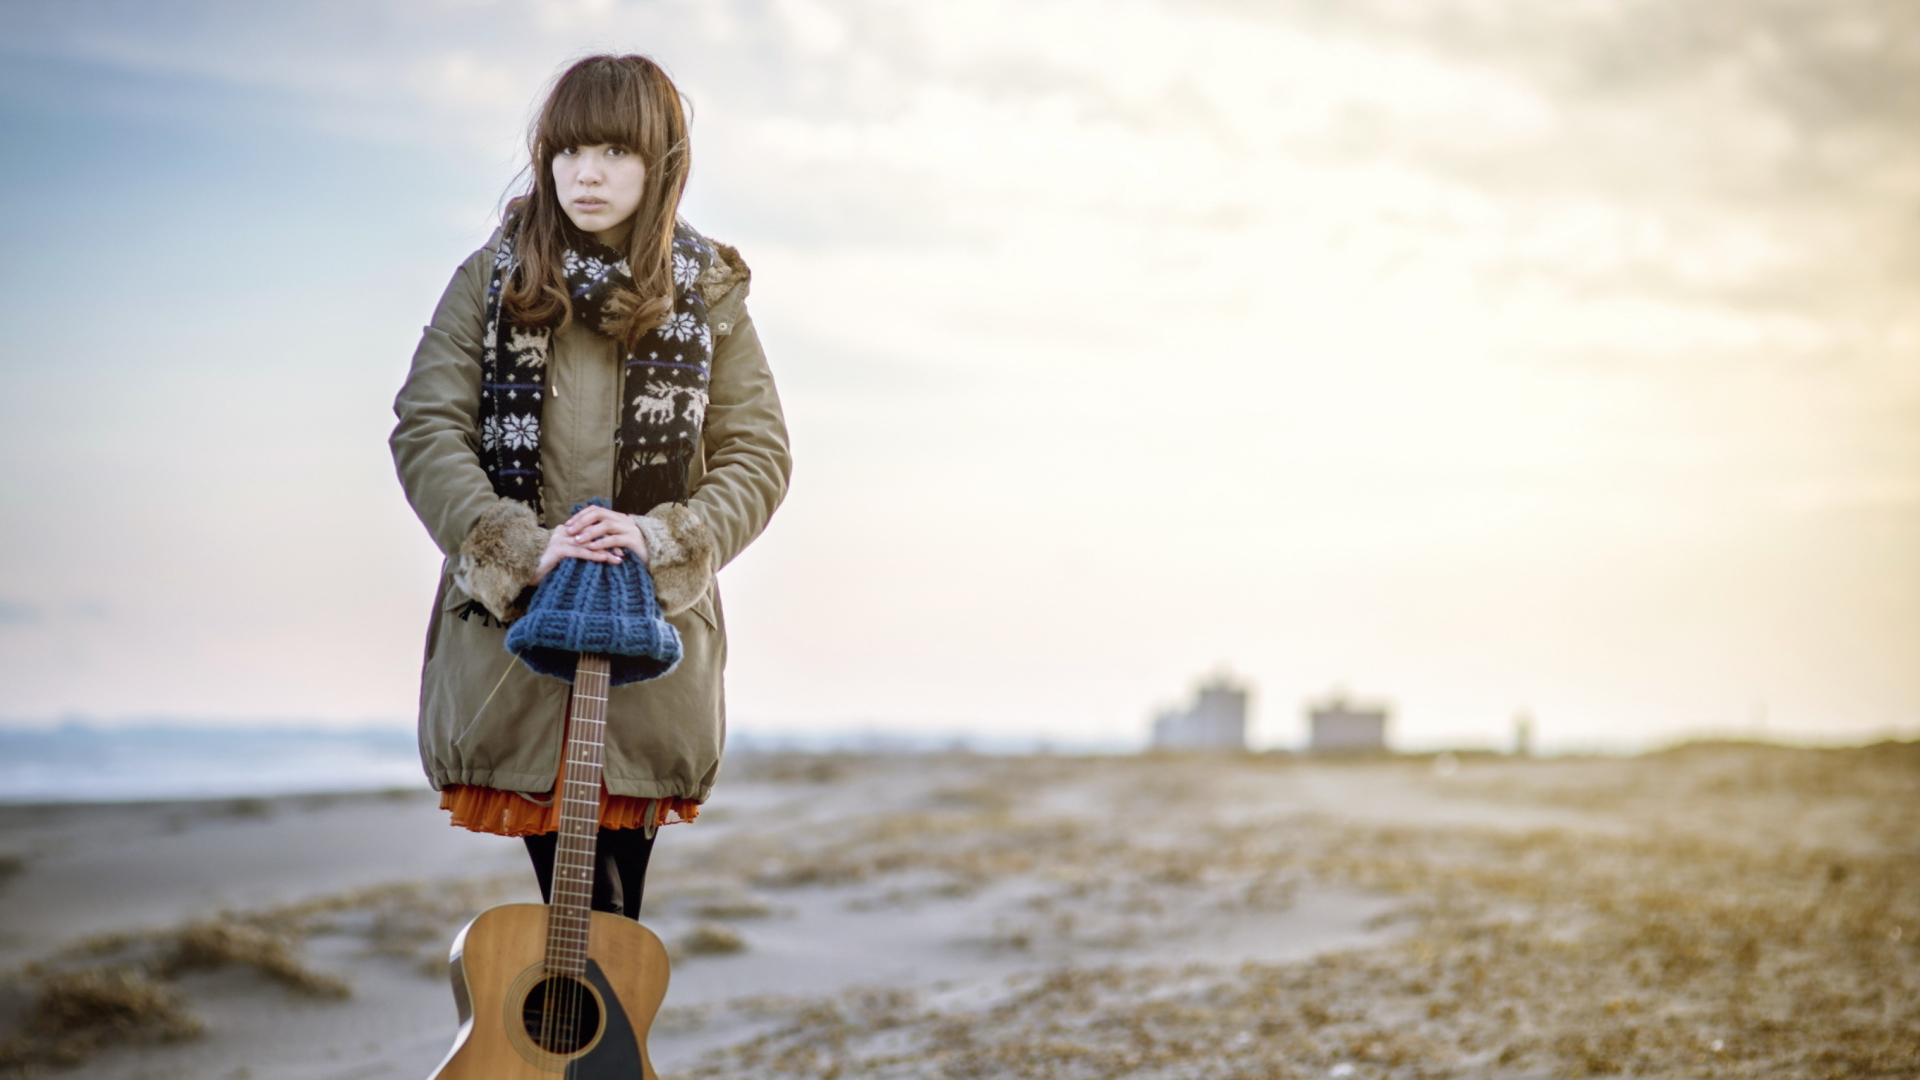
column 703, row 608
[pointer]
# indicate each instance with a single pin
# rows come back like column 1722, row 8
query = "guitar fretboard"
column 569, row 913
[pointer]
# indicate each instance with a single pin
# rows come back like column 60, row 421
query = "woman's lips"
column 588, row 206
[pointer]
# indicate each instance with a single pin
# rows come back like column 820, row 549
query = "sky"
column 1476, row 356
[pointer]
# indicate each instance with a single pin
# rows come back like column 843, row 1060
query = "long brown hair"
column 629, row 102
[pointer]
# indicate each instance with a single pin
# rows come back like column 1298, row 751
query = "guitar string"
column 550, row 1004
column 585, row 762
column 589, row 749
column 580, row 753
column 596, row 751
column 569, row 833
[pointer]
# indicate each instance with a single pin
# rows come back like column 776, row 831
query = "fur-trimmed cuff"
column 501, row 557
column 679, row 555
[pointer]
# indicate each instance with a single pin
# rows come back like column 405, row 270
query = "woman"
column 596, row 346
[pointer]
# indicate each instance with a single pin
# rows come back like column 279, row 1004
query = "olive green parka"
column 485, row 719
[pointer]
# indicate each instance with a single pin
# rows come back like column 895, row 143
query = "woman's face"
column 599, row 188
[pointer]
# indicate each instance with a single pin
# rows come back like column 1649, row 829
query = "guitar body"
column 559, row 991
column 500, row 978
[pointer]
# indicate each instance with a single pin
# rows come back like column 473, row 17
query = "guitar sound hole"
column 561, row 1015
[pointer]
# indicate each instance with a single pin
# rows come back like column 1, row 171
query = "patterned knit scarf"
column 663, row 384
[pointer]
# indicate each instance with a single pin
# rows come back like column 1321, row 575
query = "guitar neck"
column 568, row 915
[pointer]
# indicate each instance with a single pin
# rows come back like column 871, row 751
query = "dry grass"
column 214, row 945
column 1855, row 798
column 1758, row 916
column 76, row 1013
column 734, row 908
column 117, row 988
column 712, row 939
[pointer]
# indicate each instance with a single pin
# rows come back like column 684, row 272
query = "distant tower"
column 1217, row 720
column 1338, row 726
column 1523, row 734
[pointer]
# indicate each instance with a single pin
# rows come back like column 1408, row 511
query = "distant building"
column 1217, row 720
column 1338, row 726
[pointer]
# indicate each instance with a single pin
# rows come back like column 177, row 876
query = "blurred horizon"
column 1473, row 357
column 137, row 758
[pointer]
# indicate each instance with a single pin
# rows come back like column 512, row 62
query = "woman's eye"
column 616, row 151
column 569, row 151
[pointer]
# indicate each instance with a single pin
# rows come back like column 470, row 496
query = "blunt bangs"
column 597, row 103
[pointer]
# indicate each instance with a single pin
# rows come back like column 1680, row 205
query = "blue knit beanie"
column 595, row 607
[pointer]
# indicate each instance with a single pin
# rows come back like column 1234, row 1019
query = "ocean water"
column 80, row 762
column 83, row 763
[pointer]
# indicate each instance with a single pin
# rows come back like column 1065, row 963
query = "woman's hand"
column 606, row 530
column 597, row 534
column 561, row 545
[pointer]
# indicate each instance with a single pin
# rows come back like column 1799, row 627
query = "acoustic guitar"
column 546, row 989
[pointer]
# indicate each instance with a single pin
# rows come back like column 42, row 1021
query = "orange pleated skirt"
column 517, row 813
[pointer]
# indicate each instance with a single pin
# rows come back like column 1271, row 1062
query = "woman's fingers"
column 603, row 536
column 618, row 531
column 590, row 516
column 597, row 536
column 576, row 550
column 604, row 532
column 562, row 546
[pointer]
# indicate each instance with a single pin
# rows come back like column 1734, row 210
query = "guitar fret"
column 569, row 917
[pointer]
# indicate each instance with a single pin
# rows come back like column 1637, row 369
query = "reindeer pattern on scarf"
column 672, row 365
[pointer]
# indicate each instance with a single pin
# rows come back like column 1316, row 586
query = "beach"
column 1711, row 910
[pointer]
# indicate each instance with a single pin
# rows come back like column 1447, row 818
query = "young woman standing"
column 597, row 346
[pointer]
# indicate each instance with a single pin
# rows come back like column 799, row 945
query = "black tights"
column 620, row 868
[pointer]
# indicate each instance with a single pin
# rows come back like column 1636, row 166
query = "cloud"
column 1414, row 318
column 16, row 613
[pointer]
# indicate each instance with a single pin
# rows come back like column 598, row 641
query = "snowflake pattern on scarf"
column 663, row 379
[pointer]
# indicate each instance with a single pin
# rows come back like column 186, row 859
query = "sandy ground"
column 1711, row 911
